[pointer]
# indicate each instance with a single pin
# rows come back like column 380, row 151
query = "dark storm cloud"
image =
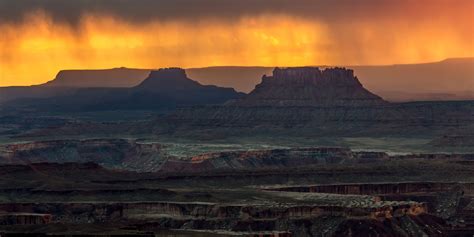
column 139, row 11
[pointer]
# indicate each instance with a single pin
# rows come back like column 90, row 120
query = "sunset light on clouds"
column 38, row 39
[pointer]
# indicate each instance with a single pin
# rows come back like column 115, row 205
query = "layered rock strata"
column 310, row 86
column 112, row 153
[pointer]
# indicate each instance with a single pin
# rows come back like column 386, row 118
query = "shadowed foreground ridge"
column 280, row 192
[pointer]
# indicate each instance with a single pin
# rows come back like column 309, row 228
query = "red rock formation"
column 310, row 86
column 259, row 159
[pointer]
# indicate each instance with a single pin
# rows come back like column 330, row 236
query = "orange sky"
column 34, row 48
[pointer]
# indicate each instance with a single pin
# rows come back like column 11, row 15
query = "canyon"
column 271, row 192
column 242, row 203
column 309, row 152
column 133, row 155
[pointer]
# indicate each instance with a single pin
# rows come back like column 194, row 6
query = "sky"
column 40, row 37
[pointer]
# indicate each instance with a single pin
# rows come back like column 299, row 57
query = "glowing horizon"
column 35, row 48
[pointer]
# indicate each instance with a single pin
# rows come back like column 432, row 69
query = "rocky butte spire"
column 169, row 78
column 172, row 87
column 310, row 86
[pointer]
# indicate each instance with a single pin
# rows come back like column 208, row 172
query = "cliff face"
column 310, row 86
column 112, row 153
column 278, row 159
column 258, row 159
column 240, row 219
